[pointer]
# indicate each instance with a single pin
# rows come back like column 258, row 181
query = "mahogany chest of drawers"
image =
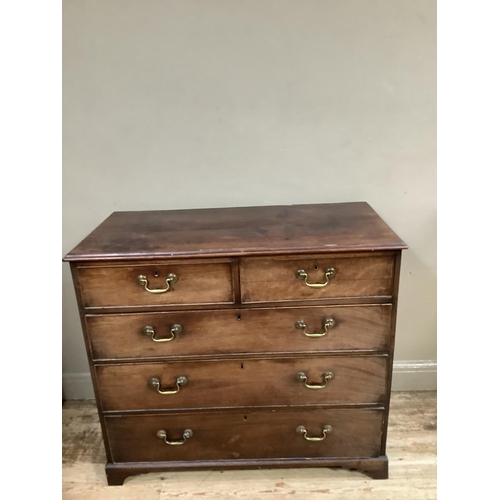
column 241, row 337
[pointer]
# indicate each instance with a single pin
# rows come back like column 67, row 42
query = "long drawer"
column 201, row 333
column 250, row 382
column 281, row 279
column 253, row 434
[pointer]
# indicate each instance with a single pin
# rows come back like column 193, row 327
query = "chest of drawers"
column 241, row 337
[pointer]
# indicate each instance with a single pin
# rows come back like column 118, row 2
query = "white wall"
column 212, row 103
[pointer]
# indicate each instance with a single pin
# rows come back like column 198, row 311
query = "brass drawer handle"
column 327, row 376
column 179, row 381
column 302, row 430
column 170, row 280
column 188, row 433
column 150, row 331
column 327, row 324
column 300, row 274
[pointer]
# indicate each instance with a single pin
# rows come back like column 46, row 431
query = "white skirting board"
column 420, row 375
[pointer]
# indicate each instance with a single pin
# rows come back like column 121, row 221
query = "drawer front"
column 329, row 328
column 341, row 276
column 236, row 435
column 251, row 382
column 127, row 286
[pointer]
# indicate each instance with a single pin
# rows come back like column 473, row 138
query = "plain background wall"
column 214, row 103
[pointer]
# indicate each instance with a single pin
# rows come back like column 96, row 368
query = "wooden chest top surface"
column 230, row 232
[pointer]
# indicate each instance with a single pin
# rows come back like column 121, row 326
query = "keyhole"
column 245, row 418
column 238, row 317
column 156, row 273
column 315, row 267
column 242, row 366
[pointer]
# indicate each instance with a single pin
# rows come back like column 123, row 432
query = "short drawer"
column 155, row 285
column 253, row 434
column 250, row 382
column 316, row 277
column 241, row 331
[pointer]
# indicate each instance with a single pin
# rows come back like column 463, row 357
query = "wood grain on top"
column 225, row 232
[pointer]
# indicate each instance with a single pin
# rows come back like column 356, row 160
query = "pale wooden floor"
column 411, row 448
